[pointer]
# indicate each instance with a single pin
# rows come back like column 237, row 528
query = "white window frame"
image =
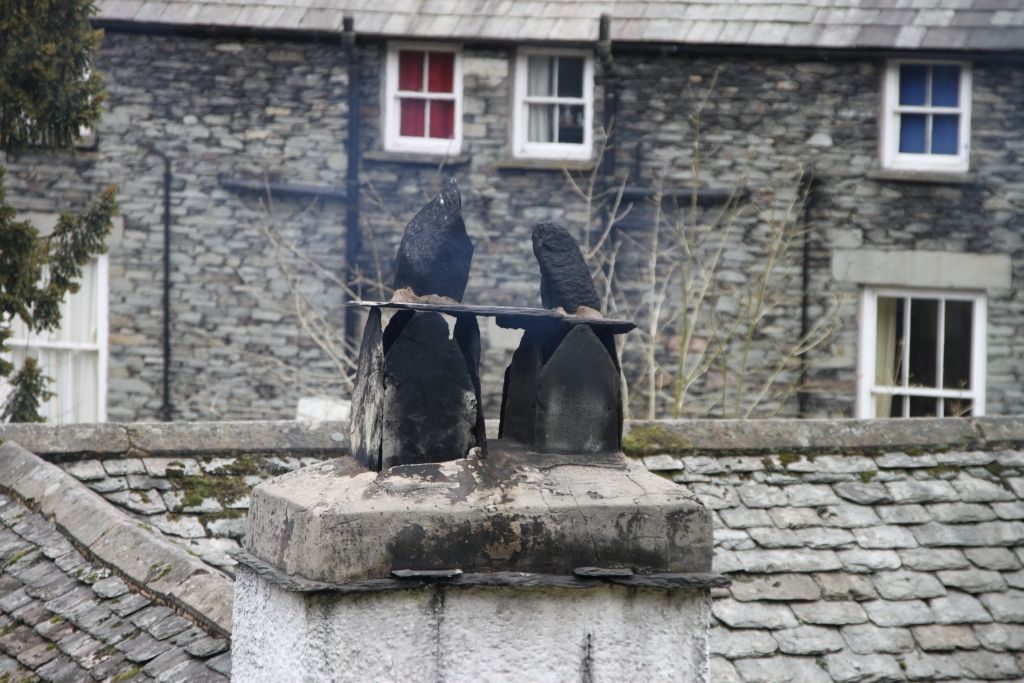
column 892, row 109
column 522, row 148
column 100, row 347
column 866, row 387
column 393, row 140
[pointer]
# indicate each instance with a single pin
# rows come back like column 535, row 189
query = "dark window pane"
column 412, row 118
column 945, row 131
column 956, row 360
column 912, row 133
column 441, row 72
column 924, row 318
column 945, row 86
column 410, row 70
column 913, row 83
column 570, row 124
column 956, row 407
column 924, row 407
column 442, row 119
column 897, row 406
column 570, row 77
column 540, row 76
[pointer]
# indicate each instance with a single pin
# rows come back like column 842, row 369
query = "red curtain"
column 410, row 70
column 442, row 119
column 412, row 117
column 441, row 72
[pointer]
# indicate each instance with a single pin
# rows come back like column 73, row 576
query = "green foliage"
column 22, row 405
column 48, row 88
column 48, row 92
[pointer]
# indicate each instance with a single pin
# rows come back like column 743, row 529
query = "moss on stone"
column 16, row 556
column 225, row 484
column 127, row 674
column 654, row 439
column 157, row 571
column 868, row 475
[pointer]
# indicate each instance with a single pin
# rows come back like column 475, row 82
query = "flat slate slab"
column 513, row 511
column 509, row 317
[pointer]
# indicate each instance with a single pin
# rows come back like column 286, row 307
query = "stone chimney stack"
column 435, row 554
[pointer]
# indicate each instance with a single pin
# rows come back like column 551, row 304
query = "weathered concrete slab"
column 512, row 511
column 819, row 436
column 110, row 440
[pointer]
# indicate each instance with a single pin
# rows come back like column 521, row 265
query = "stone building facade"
column 253, row 112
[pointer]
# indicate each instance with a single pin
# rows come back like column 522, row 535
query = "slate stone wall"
column 218, row 108
column 242, row 108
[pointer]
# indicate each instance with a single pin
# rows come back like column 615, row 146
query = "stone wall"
column 219, row 109
column 244, row 108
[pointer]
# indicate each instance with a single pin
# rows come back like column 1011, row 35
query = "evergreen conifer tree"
column 49, row 91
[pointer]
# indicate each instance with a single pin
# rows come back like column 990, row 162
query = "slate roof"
column 895, row 566
column 892, row 24
column 66, row 618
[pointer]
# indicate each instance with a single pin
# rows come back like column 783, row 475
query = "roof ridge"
column 141, row 554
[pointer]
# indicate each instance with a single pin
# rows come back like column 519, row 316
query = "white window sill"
column 416, row 158
column 923, row 176
column 545, row 164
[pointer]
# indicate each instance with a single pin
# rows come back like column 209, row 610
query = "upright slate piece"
column 467, row 336
column 368, row 395
column 519, row 395
column 435, row 254
column 578, row 397
column 565, row 280
column 430, row 403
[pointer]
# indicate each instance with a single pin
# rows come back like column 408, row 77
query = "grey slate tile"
column 142, row 647
column 946, row 38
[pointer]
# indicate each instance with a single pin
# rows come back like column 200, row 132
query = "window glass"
column 924, row 319
column 540, row 76
column 922, row 406
column 68, row 355
column 945, row 85
column 956, row 355
column 912, row 133
column 570, row 77
column 426, row 96
column 441, row 72
column 413, row 117
column 913, row 84
column 410, row 70
column 442, row 119
column 945, row 131
column 923, row 356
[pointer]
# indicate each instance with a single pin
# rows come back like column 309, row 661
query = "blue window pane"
column 945, row 86
column 912, row 133
column 945, row 131
column 913, row 82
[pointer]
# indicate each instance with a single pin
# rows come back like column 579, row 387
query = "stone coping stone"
column 138, row 552
column 69, row 442
column 513, row 511
column 58, row 443
column 817, row 436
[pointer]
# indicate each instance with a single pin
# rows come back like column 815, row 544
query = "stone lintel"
column 924, row 269
column 513, row 511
